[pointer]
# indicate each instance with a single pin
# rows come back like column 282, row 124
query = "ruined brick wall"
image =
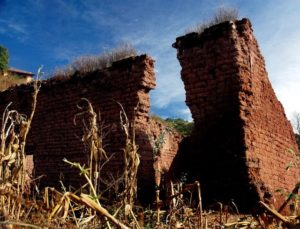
column 53, row 135
column 241, row 140
column 268, row 135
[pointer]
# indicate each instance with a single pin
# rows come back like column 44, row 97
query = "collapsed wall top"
column 242, row 140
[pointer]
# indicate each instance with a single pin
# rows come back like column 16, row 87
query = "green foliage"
column 158, row 143
column 298, row 140
column 3, row 59
column 182, row 126
column 296, row 125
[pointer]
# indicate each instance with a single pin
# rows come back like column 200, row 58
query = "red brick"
column 249, row 122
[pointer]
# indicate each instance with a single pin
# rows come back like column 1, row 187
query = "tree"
column 3, row 59
column 296, row 122
column 182, row 126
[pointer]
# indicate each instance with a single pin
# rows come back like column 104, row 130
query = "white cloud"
column 158, row 44
column 186, row 114
column 280, row 44
column 152, row 27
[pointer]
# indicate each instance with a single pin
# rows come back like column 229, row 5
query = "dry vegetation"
column 86, row 64
column 221, row 15
column 87, row 207
column 14, row 130
column 24, row 205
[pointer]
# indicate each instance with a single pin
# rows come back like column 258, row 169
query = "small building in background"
column 28, row 76
column 13, row 77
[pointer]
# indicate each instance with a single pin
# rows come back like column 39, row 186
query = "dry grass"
column 14, row 131
column 131, row 161
column 222, row 14
column 86, row 64
column 88, row 202
column 92, row 137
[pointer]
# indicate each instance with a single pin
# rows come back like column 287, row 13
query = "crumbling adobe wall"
column 241, row 140
column 53, row 135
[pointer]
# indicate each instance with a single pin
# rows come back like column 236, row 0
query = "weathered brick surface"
column 53, row 135
column 241, row 140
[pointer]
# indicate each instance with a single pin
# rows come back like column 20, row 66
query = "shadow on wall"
column 238, row 148
column 55, row 137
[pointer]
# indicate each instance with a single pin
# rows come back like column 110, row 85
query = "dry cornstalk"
column 88, row 202
column 14, row 131
column 273, row 212
column 200, row 203
column 92, row 204
column 131, row 160
column 290, row 197
column 179, row 194
column 173, row 203
column 20, row 224
column 92, row 137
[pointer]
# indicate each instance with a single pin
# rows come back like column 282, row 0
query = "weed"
column 92, row 137
column 89, row 203
column 86, row 64
column 14, row 131
column 222, row 14
column 131, row 161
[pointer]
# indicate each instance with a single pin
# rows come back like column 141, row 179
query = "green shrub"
column 181, row 126
column 4, row 57
column 298, row 140
column 296, row 125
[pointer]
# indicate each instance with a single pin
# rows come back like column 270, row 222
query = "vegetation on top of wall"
column 90, row 63
column 4, row 57
column 222, row 14
column 181, row 126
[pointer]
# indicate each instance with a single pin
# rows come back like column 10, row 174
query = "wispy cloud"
column 63, row 30
column 65, row 54
column 18, row 28
column 13, row 27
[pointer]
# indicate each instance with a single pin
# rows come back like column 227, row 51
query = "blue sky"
column 54, row 32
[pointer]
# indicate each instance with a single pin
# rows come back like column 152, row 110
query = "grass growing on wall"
column 90, row 63
column 222, row 14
